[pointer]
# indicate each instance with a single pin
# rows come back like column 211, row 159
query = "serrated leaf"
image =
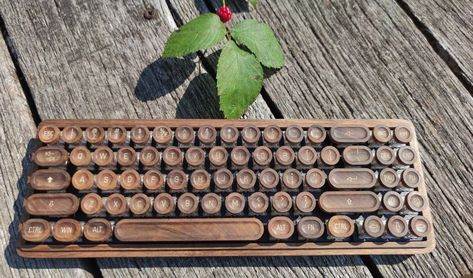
column 253, row 3
column 260, row 39
column 239, row 80
column 202, row 32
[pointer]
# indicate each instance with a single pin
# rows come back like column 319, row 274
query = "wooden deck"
column 344, row 59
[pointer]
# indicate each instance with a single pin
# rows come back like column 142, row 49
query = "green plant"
column 249, row 46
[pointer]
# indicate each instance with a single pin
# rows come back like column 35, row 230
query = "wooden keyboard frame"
column 30, row 250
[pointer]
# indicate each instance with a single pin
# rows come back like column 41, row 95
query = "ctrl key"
column 340, row 227
column 35, row 230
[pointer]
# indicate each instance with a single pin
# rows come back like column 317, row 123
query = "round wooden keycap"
column 195, row 156
column 419, row 226
column 240, row 156
column 340, row 226
column 162, row 135
column 83, row 180
column 130, row 180
column 294, row 134
column 95, row 135
column 316, row 134
column 164, row 203
column 385, row 155
column 67, row 230
column 71, row 134
column 207, row 134
column 140, row 204
column 98, row 229
column 403, row 134
column 393, row 201
column 307, row 156
column 139, row 135
column 35, row 230
column 407, row 155
column 229, row 134
column 223, row 179
column 258, row 202
column 91, row 204
column 172, row 156
column 285, row 156
column 272, row 134
column 411, row 178
column 116, row 204
column 280, row 227
column 389, row 178
column 416, row 202
column 330, row 155
column 107, row 180
column 268, row 179
column 262, row 156
column 246, row 179
column 373, row 226
column 315, row 178
column 235, row 203
column 184, row 135
column 177, row 180
column 116, row 135
column 153, row 180
column 310, row 227
column 250, row 134
column 281, row 202
column 80, row 156
column 150, row 156
column 397, row 226
column 126, row 156
column 200, row 180
column 49, row 134
column 292, row 179
column 218, row 156
column 103, row 156
column 305, row 202
column 211, row 203
column 382, row 134
column 188, row 203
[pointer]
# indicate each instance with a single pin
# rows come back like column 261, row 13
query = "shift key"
column 51, row 204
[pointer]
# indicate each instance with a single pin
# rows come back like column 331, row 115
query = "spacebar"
column 189, row 229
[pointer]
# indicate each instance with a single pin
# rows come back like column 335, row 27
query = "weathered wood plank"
column 16, row 129
column 366, row 59
column 451, row 24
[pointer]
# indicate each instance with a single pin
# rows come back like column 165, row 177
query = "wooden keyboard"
column 118, row 188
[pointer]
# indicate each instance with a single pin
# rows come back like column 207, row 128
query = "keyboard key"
column 340, row 226
column 35, row 230
column 195, row 157
column 218, row 156
column 184, row 135
column 229, row 135
column 72, row 134
column 352, row 178
column 103, row 156
column 211, row 203
column 164, row 203
column 411, row 178
column 268, row 179
column 240, row 156
column 357, row 155
column 50, row 179
column 403, row 134
column 388, row 178
column 188, row 203
column 258, row 203
column 307, row 156
column 139, row 135
column 50, row 156
column 140, row 204
column 153, row 180
column 272, row 135
column 284, row 156
column 91, row 204
column 177, row 180
column 349, row 134
column 385, row 155
column 393, row 201
column 316, row 134
column 280, row 227
column 397, row 226
column 250, row 135
column 262, row 156
column 116, row 135
column 373, row 226
column 349, row 201
column 98, row 229
column 95, row 135
column 223, row 179
column 126, row 157
column 200, row 180
column 51, row 204
column 116, row 204
column 314, row 178
column 416, row 202
column 281, row 202
column 172, row 156
column 49, row 134
column 150, row 156
column 406, row 155
column 419, row 226
column 130, row 180
column 329, row 156
column 305, row 202
column 106, row 180
column 80, row 156
column 246, row 180
column 207, row 135
column 310, row 227
column 291, row 179
column 67, row 230
column 382, row 134
column 162, row 135
column 235, row 203
column 294, row 134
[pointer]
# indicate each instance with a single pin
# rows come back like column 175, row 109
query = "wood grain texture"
column 17, row 123
column 451, row 24
column 366, row 59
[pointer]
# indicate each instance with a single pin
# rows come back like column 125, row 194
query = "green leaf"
column 202, row 32
column 253, row 3
column 239, row 80
column 260, row 39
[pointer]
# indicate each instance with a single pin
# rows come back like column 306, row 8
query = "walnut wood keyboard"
column 115, row 188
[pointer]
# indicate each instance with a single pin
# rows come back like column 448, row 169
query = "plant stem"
column 224, row 2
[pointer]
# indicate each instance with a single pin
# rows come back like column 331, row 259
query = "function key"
column 139, row 135
column 294, row 134
column 397, row 226
column 200, row 180
column 411, row 178
column 307, row 156
column 164, row 203
column 91, row 204
column 162, row 135
column 292, row 179
column 50, row 156
column 240, row 156
column 98, row 229
column 262, row 156
column 207, row 135
column 258, row 203
column 177, row 180
column 392, row 201
column 281, row 202
column 419, row 226
column 235, row 203
column 103, row 156
column 130, row 180
column 403, row 134
column 211, row 203
column 382, row 134
column 116, row 204
column 250, row 135
column 416, row 202
column 184, row 135
column 95, row 135
column 349, row 134
column 72, row 134
column 50, row 179
column 172, row 156
column 223, row 179
column 340, row 226
column 385, row 155
column 246, row 180
column 329, row 156
column 116, row 135
column 357, row 155
column 406, row 155
column 268, row 179
column 80, row 156
column 35, row 230
column 67, row 230
column 140, row 204
column 188, row 203
column 305, row 202
column 195, row 157
column 126, row 156
column 49, row 134
column 310, row 227
column 153, row 180
column 316, row 134
column 373, row 226
column 83, row 180
column 149, row 156
column 284, row 156
column 272, row 135
column 218, row 156
column 388, row 178
column 107, row 180
column 229, row 135
column 315, row 178
column 280, row 227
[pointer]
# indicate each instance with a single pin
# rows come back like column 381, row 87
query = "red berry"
column 224, row 13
